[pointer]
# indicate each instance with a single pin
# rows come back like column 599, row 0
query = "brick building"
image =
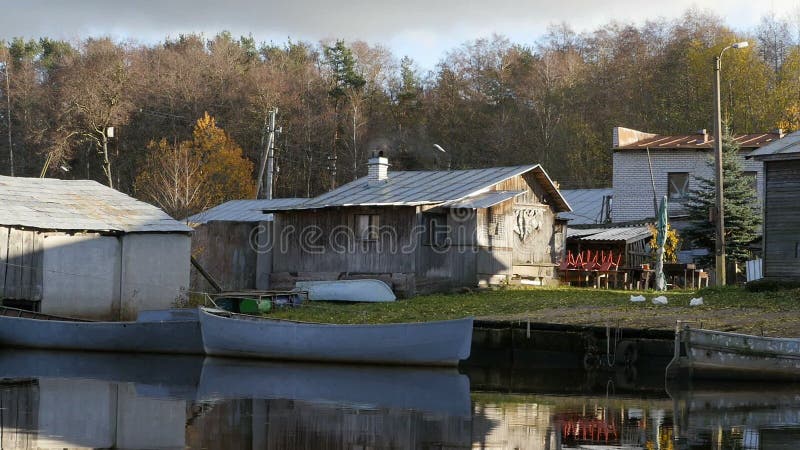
column 677, row 161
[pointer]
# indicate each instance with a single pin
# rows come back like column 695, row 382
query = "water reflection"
column 74, row 400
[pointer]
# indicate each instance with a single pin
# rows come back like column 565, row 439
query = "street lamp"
column 720, row 216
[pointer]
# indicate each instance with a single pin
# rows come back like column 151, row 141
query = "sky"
column 422, row 29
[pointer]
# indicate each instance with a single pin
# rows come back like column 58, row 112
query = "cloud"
column 417, row 27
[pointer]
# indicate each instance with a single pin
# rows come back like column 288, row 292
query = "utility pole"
column 719, row 216
column 8, row 117
column 268, row 157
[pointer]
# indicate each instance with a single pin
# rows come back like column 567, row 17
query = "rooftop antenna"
column 439, row 148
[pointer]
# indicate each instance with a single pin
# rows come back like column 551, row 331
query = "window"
column 436, row 230
column 367, row 227
column 678, row 185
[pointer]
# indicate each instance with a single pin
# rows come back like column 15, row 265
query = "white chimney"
column 378, row 171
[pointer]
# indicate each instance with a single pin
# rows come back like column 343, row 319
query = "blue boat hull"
column 170, row 331
column 442, row 343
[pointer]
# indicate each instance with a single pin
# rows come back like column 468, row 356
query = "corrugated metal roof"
column 413, row 188
column 485, row 200
column 696, row 141
column 587, row 205
column 578, row 232
column 627, row 234
column 789, row 145
column 243, row 210
column 52, row 204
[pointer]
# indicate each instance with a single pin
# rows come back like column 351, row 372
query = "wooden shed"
column 230, row 241
column 781, row 238
column 78, row 248
column 424, row 231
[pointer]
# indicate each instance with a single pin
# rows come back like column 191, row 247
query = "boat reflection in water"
column 736, row 415
column 101, row 400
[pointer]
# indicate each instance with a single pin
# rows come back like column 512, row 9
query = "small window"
column 367, row 227
column 437, row 233
column 678, row 185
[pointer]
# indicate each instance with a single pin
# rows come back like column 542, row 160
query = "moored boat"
column 442, row 343
column 713, row 354
column 163, row 331
column 372, row 291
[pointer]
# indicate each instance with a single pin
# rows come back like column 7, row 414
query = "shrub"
column 771, row 285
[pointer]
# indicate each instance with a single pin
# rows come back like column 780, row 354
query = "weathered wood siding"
column 782, row 220
column 454, row 264
column 20, row 264
column 324, row 241
column 226, row 250
column 504, row 248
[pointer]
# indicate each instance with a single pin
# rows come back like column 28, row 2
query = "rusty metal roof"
column 414, row 188
column 78, row 205
column 243, row 210
column 786, row 148
column 697, row 141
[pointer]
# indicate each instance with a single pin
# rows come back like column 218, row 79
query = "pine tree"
column 742, row 215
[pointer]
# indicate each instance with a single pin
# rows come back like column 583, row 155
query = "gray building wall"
column 155, row 271
column 782, row 220
column 80, row 275
column 633, row 189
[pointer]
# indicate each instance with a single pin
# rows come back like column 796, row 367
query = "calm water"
column 69, row 400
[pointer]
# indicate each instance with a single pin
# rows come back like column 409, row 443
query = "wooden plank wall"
column 22, row 264
column 3, row 259
column 19, row 415
column 782, row 220
column 498, row 225
column 303, row 241
column 225, row 251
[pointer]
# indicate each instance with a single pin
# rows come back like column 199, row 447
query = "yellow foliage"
column 195, row 174
column 671, row 246
column 791, row 118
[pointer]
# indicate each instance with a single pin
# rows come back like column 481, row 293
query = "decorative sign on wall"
column 526, row 222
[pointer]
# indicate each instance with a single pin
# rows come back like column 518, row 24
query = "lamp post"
column 720, row 213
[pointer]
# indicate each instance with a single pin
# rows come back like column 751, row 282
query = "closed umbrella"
column 661, row 226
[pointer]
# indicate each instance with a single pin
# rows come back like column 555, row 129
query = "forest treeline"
column 488, row 102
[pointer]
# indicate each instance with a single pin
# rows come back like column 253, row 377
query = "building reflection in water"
column 104, row 401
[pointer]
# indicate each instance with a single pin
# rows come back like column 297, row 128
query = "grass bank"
column 730, row 309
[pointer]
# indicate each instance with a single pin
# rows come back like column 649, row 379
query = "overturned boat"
column 713, row 354
column 442, row 343
column 162, row 331
column 367, row 290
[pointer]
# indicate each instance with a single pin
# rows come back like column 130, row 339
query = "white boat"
column 722, row 355
column 347, row 290
column 164, row 331
column 442, row 343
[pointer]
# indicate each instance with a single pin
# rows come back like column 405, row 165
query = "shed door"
column 20, row 265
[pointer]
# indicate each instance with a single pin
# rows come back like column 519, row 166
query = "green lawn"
column 770, row 313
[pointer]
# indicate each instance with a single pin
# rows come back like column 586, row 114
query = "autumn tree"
column 195, row 174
